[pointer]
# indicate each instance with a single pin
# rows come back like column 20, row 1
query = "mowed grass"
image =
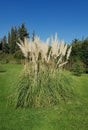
column 72, row 115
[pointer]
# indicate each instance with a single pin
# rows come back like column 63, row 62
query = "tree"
column 84, row 55
column 22, row 32
column 12, row 39
column 75, row 53
column 0, row 45
column 75, row 41
column 4, row 45
column 9, row 38
column 76, row 49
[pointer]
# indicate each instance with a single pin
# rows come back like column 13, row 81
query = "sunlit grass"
column 65, row 116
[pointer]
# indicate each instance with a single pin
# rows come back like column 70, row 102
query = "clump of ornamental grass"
column 53, row 87
column 42, row 82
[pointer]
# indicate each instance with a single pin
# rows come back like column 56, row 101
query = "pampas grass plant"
column 42, row 82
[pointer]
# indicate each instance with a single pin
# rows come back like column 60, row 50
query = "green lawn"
column 66, row 116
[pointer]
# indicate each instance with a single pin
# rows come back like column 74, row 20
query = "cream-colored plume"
column 32, row 49
column 55, row 46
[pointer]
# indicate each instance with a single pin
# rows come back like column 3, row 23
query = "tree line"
column 78, row 58
column 8, row 44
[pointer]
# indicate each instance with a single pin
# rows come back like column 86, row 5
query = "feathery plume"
column 55, row 46
column 69, row 52
column 32, row 49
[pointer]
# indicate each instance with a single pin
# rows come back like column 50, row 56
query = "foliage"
column 12, row 39
column 52, row 88
column 14, row 35
column 78, row 68
column 18, row 54
column 6, row 58
column 79, row 53
column 84, row 55
column 3, row 45
column 22, row 32
column 76, row 49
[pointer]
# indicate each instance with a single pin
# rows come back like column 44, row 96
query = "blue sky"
column 69, row 18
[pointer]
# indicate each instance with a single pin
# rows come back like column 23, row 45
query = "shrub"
column 18, row 54
column 7, row 58
column 78, row 68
